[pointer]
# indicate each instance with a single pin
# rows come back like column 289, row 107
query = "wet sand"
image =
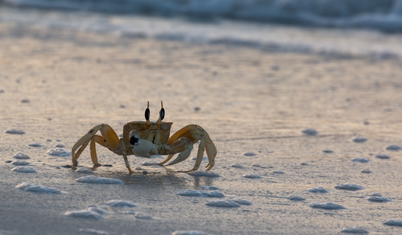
column 57, row 84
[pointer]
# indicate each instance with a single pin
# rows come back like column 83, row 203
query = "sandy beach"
column 57, row 83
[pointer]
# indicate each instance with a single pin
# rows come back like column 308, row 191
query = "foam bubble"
column 318, row 190
column 24, row 169
column 20, row 163
column 143, row 216
column 60, row 146
column 393, row 148
column 252, row 176
column 237, row 165
column 84, row 170
column 222, row 203
column 250, row 154
column 327, row 151
column 58, row 152
column 150, row 163
column 15, row 131
column 378, row 198
column 327, row 206
column 97, row 209
column 393, row 222
column 120, row 203
column 36, row 188
column 92, row 231
column 295, row 198
column 210, row 187
column 349, row 186
column 190, row 232
column 382, row 156
column 362, row 160
column 359, row 139
column 242, row 201
column 366, row 171
column 359, row 230
column 98, row 180
column 21, row 155
column 196, row 193
column 310, row 132
column 36, row 145
column 204, row 173
column 86, row 214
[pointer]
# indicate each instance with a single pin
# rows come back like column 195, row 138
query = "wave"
column 385, row 15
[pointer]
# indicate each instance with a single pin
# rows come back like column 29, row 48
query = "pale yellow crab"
column 149, row 138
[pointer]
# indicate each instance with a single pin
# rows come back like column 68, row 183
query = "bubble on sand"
column 60, row 146
column 143, row 216
column 327, row 206
column 222, row 203
column 120, row 203
column 366, row 171
column 24, row 169
column 98, row 180
column 196, row 193
column 150, row 163
column 84, row 170
column 20, row 163
column 58, row 152
column 237, row 165
column 376, row 197
column 359, row 159
column 256, row 165
column 295, row 198
column 310, row 131
column 15, row 131
column 393, row 222
column 318, row 190
column 92, row 231
column 210, row 187
column 393, row 148
column 205, row 174
column 359, row 139
column 36, row 188
column 252, row 176
column 97, row 209
column 349, row 186
column 190, row 232
column 86, row 214
column 278, row 172
column 250, row 154
column 242, row 201
column 36, row 145
column 327, row 151
column 382, row 156
column 21, row 155
column 354, row 230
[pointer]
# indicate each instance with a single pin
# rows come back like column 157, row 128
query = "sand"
column 56, row 84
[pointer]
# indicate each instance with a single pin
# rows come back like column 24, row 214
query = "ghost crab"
column 148, row 138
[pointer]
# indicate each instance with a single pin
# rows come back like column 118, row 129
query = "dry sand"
column 57, row 84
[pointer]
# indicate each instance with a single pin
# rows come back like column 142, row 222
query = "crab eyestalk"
column 161, row 115
column 147, row 114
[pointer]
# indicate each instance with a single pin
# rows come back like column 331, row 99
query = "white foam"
column 210, row 187
column 362, row 160
column 393, row 148
column 222, row 203
column 86, row 214
column 310, row 131
column 24, row 169
column 189, row 232
column 84, row 170
column 359, row 139
column 36, row 188
column 20, row 163
column 60, row 146
column 196, row 193
column 366, row 171
column 21, row 155
column 327, row 206
column 359, row 230
column 318, row 190
column 256, row 165
column 349, row 186
column 295, row 198
column 120, row 203
column 58, row 152
column 378, row 198
column 250, row 154
column 393, row 222
column 242, row 201
column 382, row 156
column 205, row 174
column 98, row 180
column 97, row 209
column 237, row 165
column 15, row 131
column 278, row 172
column 36, row 145
column 92, row 231
column 150, row 163
column 252, row 176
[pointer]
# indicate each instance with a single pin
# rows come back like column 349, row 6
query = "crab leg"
column 200, row 155
column 124, row 153
column 83, row 142
column 96, row 139
column 188, row 147
column 210, row 149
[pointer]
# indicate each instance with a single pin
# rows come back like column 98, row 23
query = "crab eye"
column 162, row 113
column 147, row 113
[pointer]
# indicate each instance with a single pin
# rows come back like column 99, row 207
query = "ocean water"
column 337, row 27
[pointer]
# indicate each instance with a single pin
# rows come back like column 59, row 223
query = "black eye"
column 162, row 113
column 133, row 140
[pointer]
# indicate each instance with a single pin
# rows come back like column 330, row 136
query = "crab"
column 146, row 139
